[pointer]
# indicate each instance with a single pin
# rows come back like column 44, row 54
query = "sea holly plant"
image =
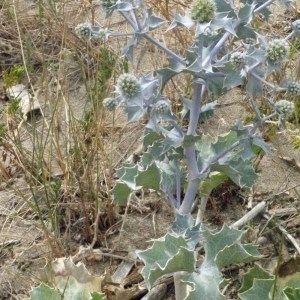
column 185, row 164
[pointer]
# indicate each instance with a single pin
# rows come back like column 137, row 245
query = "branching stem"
column 267, row 83
column 190, row 153
column 266, row 4
column 153, row 41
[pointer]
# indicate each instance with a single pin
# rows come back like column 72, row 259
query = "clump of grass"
column 62, row 155
column 14, row 76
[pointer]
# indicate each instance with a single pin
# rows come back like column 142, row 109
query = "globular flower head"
column 110, row 103
column 203, row 11
column 293, row 88
column 162, row 106
column 238, row 59
column 128, row 85
column 102, row 33
column 84, row 30
column 284, row 107
column 277, row 51
column 108, row 3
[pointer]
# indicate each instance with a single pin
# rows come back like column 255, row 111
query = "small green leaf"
column 205, row 149
column 128, row 174
column 215, row 86
column 260, row 290
column 225, row 23
column 185, row 21
column 246, row 13
column 98, row 296
column 207, row 110
column 216, row 242
column 166, row 255
column 292, row 293
column 121, row 193
column 150, row 178
column 173, row 69
column 254, row 86
column 254, row 273
column 214, row 180
column 146, row 159
column 150, row 138
column 223, row 6
column 184, row 226
column 44, row 292
column 236, row 253
column 233, row 78
column 182, row 223
column 191, row 139
column 128, row 50
column 259, row 141
column 240, row 172
column 173, row 137
column 168, row 176
column 153, row 21
column 203, row 287
column 134, row 113
column 245, row 32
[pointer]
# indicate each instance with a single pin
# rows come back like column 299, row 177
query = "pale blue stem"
column 206, row 168
column 289, row 36
column 178, row 58
column 193, row 184
column 191, row 155
column 153, row 41
column 195, row 109
column 216, row 49
column 190, row 195
column 136, row 19
column 269, row 117
column 171, row 199
column 190, row 150
column 256, row 109
column 131, row 22
column 224, row 38
column 266, row 4
column 255, row 65
column 267, row 83
column 178, row 184
column 116, row 34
